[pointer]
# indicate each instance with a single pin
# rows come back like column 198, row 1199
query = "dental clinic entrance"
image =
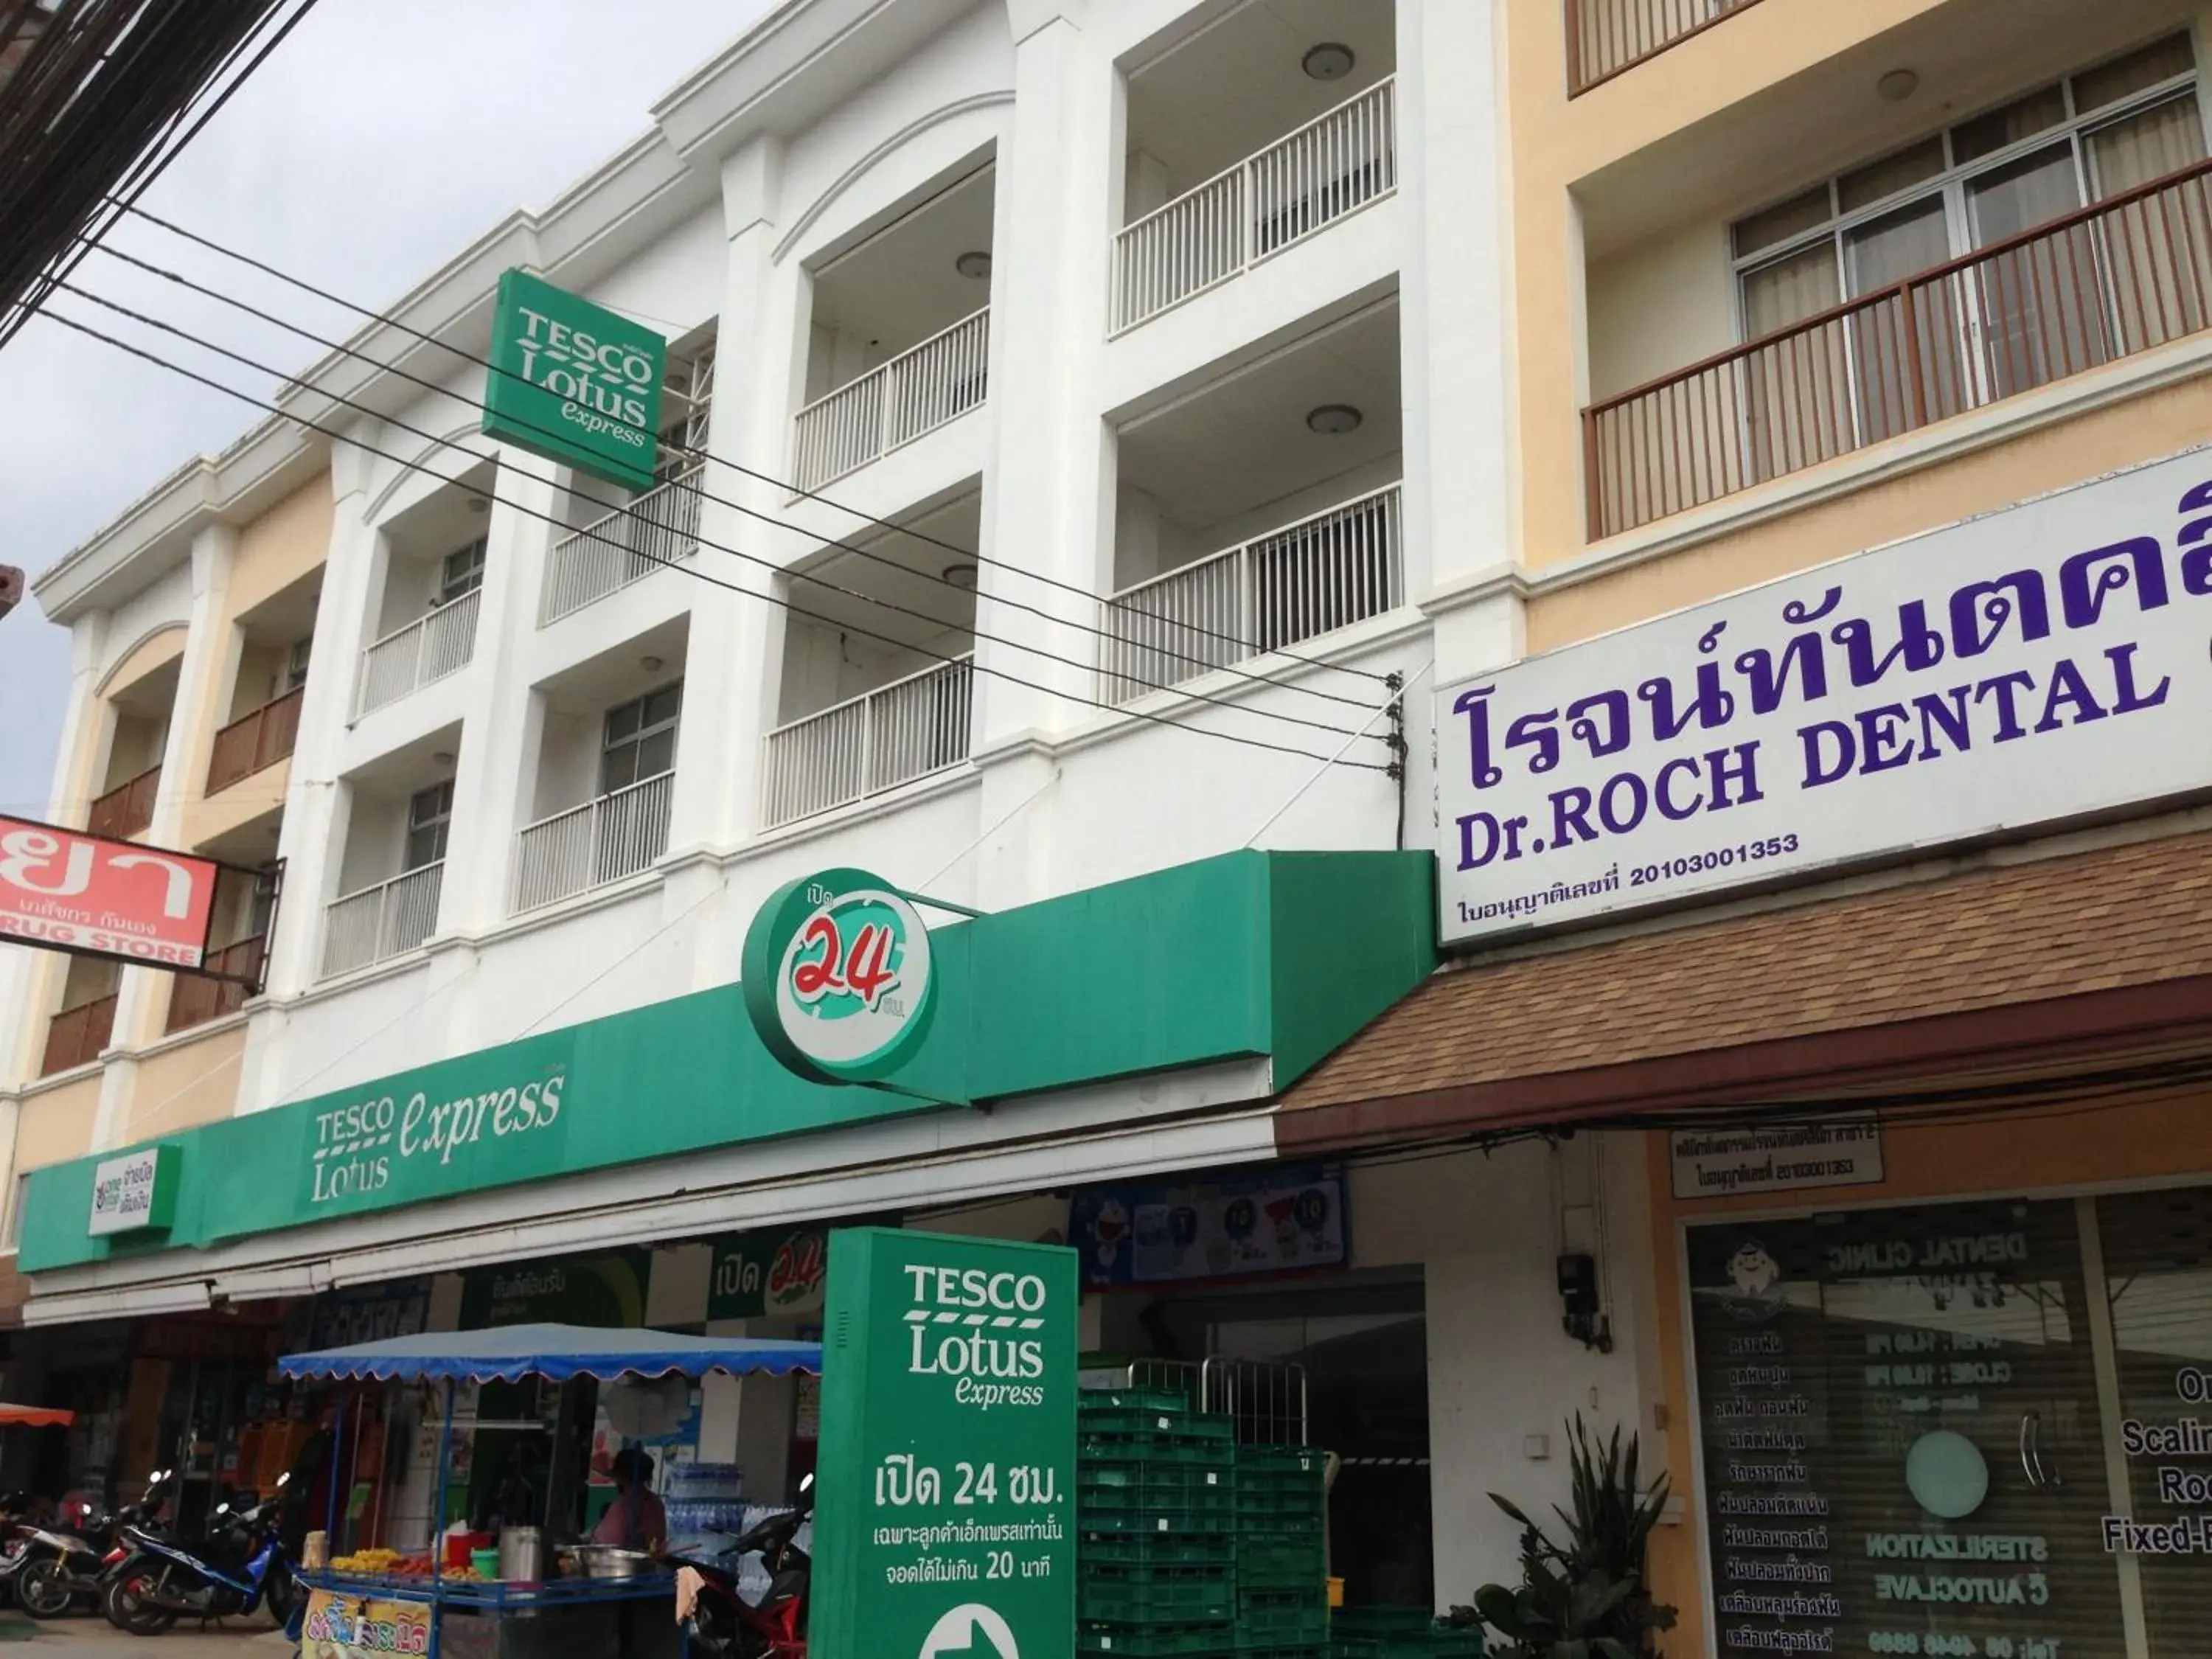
column 1971, row 1428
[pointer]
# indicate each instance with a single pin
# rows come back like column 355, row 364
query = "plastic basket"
column 1139, row 1596
column 1146, row 1476
column 1153, row 1550
column 1296, row 1618
column 1156, row 1641
column 1154, row 1519
column 1383, row 1621
column 1271, row 1563
column 1156, row 1401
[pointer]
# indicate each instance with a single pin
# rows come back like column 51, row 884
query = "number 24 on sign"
column 866, row 973
column 899, row 1484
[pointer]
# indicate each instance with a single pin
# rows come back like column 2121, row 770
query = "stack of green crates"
column 1155, row 1517
column 1282, row 1572
column 1399, row 1634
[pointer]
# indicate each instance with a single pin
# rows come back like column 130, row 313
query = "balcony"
column 195, row 1000
column 2124, row 275
column 255, row 742
column 1306, row 579
column 76, row 1035
column 661, row 527
column 380, row 922
column 424, row 650
column 1329, row 168
column 869, row 743
column 889, row 406
column 603, row 839
column 1605, row 37
column 128, row 809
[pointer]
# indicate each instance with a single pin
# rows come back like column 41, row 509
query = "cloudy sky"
column 377, row 140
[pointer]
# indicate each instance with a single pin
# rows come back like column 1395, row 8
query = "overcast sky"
column 378, row 139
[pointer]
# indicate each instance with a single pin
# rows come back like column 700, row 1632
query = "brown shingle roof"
column 2053, row 928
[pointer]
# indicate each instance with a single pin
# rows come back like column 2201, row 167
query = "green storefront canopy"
column 1276, row 955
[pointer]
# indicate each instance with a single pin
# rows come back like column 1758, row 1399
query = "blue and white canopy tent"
column 507, row 1355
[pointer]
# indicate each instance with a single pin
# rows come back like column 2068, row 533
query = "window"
column 2020, row 317
column 11, row 1226
column 430, row 815
column 462, row 573
column 687, row 399
column 294, row 675
column 641, row 739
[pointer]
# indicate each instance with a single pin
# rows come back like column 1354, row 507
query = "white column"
column 1457, row 330
column 495, row 778
column 1047, row 501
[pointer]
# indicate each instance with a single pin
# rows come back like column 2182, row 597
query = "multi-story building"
column 1089, row 430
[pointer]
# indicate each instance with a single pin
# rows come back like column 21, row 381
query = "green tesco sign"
column 945, row 1510
column 574, row 382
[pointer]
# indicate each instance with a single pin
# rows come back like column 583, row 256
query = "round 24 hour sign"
column 838, row 978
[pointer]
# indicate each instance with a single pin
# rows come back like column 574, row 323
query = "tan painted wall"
column 55, row 1125
column 2007, row 1154
column 283, row 545
column 1657, row 306
column 157, row 650
column 193, row 1082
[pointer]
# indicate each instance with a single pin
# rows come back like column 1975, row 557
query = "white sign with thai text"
column 123, row 1191
column 1843, row 1151
column 2045, row 663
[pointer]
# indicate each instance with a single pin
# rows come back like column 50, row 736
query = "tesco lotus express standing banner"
column 946, row 1502
column 2032, row 666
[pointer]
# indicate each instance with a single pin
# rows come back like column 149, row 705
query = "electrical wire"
column 160, row 362
column 631, row 512
column 702, row 493
column 390, row 321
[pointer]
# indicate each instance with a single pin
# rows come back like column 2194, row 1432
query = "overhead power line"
column 770, row 565
column 702, row 494
column 392, row 322
column 160, row 362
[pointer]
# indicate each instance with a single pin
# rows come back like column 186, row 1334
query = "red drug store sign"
column 68, row 892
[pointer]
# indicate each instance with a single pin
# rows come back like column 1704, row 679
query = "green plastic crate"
column 1261, row 1501
column 1153, row 1549
column 1296, row 1617
column 1382, row 1621
column 1287, row 1460
column 1156, row 1641
column 1165, row 1522
column 1143, row 1475
column 1140, row 1596
column 1155, row 1401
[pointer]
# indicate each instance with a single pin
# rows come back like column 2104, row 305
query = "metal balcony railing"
column 428, row 648
column 381, row 921
column 128, row 808
column 2129, row 273
column 874, row 742
column 589, row 846
column 254, row 742
column 1309, row 578
column 1605, row 37
column 195, row 1001
column 75, row 1036
column 889, row 406
column 661, row 527
column 1332, row 166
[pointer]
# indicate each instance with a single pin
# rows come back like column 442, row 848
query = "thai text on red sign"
column 68, row 891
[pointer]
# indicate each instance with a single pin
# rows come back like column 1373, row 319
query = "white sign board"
column 1843, row 1151
column 123, row 1192
column 2037, row 665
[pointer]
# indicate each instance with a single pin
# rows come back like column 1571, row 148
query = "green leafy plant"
column 1584, row 1598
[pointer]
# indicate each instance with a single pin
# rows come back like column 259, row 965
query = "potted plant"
column 1585, row 1598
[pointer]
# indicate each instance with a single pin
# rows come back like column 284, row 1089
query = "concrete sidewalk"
column 95, row 1638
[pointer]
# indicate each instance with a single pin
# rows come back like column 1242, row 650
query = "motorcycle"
column 722, row 1623
column 242, row 1567
column 59, row 1568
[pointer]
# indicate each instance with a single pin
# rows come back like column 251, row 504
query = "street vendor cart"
column 621, row 1610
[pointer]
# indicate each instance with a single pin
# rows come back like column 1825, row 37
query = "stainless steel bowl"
column 607, row 1561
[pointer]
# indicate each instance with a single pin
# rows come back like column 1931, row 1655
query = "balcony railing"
column 589, row 846
column 1328, row 168
column 194, row 1000
column 253, row 743
column 427, row 649
column 2121, row 277
column 75, row 1036
column 874, row 742
column 126, row 809
column 915, row 392
column 1309, row 578
column 1605, row 37
column 659, row 527
column 381, row 921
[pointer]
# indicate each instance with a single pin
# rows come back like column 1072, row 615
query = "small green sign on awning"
column 574, row 382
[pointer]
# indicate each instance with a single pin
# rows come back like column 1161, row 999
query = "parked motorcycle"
column 241, row 1567
column 59, row 1569
column 722, row 1624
